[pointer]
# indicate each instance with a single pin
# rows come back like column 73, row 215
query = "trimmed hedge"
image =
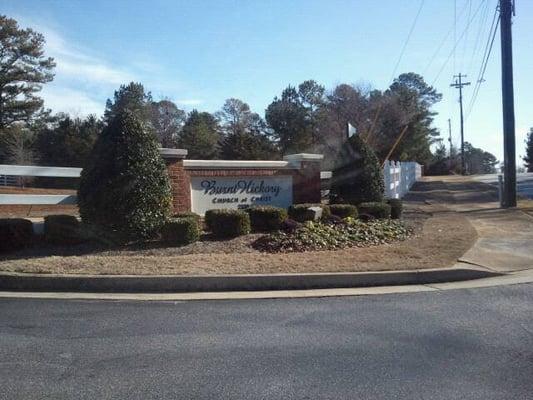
column 300, row 212
column 266, row 218
column 227, row 223
column 357, row 176
column 62, row 229
column 180, row 231
column 15, row 233
column 187, row 214
column 344, row 210
column 396, row 208
column 124, row 187
column 379, row 210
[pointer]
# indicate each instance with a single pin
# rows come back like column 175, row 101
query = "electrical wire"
column 485, row 60
column 465, row 41
column 441, row 44
column 413, row 25
column 456, row 43
column 482, row 22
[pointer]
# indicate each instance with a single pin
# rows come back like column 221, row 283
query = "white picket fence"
column 38, row 199
column 398, row 177
column 8, row 180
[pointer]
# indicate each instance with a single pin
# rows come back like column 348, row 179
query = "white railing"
column 8, row 180
column 38, row 199
column 399, row 177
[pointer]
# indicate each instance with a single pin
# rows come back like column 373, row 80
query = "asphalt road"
column 459, row 344
column 524, row 182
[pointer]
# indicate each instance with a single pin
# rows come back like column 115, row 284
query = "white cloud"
column 75, row 102
column 79, row 65
column 84, row 79
column 92, row 73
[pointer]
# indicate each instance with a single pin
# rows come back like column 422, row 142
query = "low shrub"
column 180, row 231
column 344, row 210
column 62, row 229
column 188, row 214
column 290, row 225
column 312, row 236
column 227, row 223
column 396, row 208
column 15, row 233
column 301, row 212
column 266, row 218
column 379, row 210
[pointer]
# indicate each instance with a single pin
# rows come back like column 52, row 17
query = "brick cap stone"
column 236, row 164
column 304, row 157
column 172, row 153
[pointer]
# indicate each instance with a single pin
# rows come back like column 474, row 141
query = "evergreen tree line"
column 477, row 161
column 303, row 119
column 396, row 122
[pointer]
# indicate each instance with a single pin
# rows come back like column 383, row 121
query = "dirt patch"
column 438, row 241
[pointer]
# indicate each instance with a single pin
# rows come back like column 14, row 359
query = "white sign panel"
column 209, row 193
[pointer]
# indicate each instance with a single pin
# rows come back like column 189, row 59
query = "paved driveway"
column 458, row 344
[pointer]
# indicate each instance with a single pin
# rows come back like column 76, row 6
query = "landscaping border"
column 225, row 283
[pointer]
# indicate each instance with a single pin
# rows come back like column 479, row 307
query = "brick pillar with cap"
column 179, row 179
column 306, row 178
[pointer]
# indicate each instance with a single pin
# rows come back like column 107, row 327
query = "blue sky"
column 198, row 53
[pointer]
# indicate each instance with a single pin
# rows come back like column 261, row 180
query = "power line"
column 413, row 25
column 454, row 30
column 456, row 43
column 483, row 20
column 441, row 44
column 484, row 61
column 465, row 41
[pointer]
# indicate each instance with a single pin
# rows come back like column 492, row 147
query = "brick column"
column 306, row 179
column 179, row 179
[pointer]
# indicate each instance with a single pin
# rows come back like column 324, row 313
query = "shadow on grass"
column 452, row 192
column 40, row 248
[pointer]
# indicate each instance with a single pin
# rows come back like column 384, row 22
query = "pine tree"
column 200, row 136
column 244, row 133
column 124, row 187
column 23, row 70
column 357, row 176
column 528, row 158
column 132, row 97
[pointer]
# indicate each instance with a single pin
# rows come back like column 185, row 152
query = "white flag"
column 351, row 130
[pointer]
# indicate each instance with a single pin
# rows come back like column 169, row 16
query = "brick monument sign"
column 200, row 185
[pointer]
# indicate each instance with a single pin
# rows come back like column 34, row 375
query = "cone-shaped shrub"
column 357, row 176
column 124, row 187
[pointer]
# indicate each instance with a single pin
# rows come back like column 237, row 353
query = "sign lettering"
column 240, row 192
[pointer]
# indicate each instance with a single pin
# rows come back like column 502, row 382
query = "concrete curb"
column 228, row 283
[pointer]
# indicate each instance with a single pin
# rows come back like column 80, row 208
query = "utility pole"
column 450, row 143
column 509, row 150
column 459, row 85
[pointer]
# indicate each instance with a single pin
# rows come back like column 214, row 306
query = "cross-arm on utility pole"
column 459, row 85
